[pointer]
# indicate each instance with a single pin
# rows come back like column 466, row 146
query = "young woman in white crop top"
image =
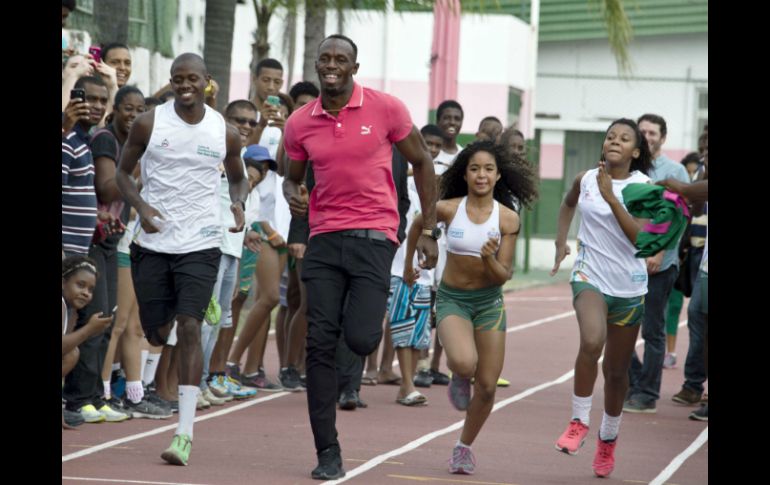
column 608, row 285
column 476, row 193
column 78, row 279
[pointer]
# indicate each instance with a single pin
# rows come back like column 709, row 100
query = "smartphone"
column 78, row 93
column 96, row 52
column 111, row 314
column 274, row 100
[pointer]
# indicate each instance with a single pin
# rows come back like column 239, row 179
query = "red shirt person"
column 348, row 133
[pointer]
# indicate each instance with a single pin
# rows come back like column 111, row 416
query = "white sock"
column 172, row 339
column 107, row 391
column 230, row 363
column 150, row 367
column 460, row 443
column 143, row 361
column 610, row 427
column 115, row 366
column 188, row 398
column 134, row 391
column 581, row 408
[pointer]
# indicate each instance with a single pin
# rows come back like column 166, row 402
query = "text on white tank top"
column 465, row 237
column 181, row 177
column 605, row 257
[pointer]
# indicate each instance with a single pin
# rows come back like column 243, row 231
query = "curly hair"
column 643, row 162
column 73, row 264
column 517, row 185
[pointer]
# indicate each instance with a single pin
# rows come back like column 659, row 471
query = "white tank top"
column 605, row 257
column 181, row 177
column 465, row 237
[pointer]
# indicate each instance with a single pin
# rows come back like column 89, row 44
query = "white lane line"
column 535, row 323
column 112, row 480
column 238, row 407
column 523, row 326
column 679, row 460
column 430, row 436
column 109, row 444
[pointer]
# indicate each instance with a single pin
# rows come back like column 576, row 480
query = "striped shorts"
column 409, row 314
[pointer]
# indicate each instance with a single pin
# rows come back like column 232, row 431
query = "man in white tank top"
column 175, row 258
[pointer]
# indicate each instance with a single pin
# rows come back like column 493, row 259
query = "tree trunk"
column 260, row 49
column 315, row 31
column 111, row 19
column 290, row 45
column 218, row 44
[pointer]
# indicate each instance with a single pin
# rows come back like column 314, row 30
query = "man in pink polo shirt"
column 348, row 133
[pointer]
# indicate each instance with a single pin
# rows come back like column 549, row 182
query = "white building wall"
column 668, row 71
column 492, row 57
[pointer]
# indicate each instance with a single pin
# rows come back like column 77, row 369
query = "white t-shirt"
column 441, row 163
column 232, row 242
column 397, row 268
column 605, row 257
column 273, row 206
column 271, row 138
column 445, row 160
column 181, row 177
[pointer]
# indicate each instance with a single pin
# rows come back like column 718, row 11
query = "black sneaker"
column 701, row 414
column 157, row 400
column 439, row 378
column 116, row 404
column 289, row 378
column 423, row 378
column 329, row 465
column 348, row 400
column 147, row 409
column 72, row 418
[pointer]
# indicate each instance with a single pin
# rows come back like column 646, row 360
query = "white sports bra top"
column 465, row 237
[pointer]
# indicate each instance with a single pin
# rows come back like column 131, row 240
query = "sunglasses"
column 242, row 121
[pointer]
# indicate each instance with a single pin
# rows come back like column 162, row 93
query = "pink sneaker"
column 573, row 437
column 604, row 460
column 463, row 462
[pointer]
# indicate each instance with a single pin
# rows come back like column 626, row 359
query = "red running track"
column 267, row 440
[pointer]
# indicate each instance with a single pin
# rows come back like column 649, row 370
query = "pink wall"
column 676, row 154
column 551, row 161
column 478, row 100
column 239, row 86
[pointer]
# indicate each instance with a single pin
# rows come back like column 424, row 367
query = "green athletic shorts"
column 483, row 307
column 248, row 264
column 624, row 312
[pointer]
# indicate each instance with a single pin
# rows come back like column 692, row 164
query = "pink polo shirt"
column 351, row 157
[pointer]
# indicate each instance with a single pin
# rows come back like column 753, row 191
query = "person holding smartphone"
column 82, row 389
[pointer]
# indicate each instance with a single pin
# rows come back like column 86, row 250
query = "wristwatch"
column 434, row 233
